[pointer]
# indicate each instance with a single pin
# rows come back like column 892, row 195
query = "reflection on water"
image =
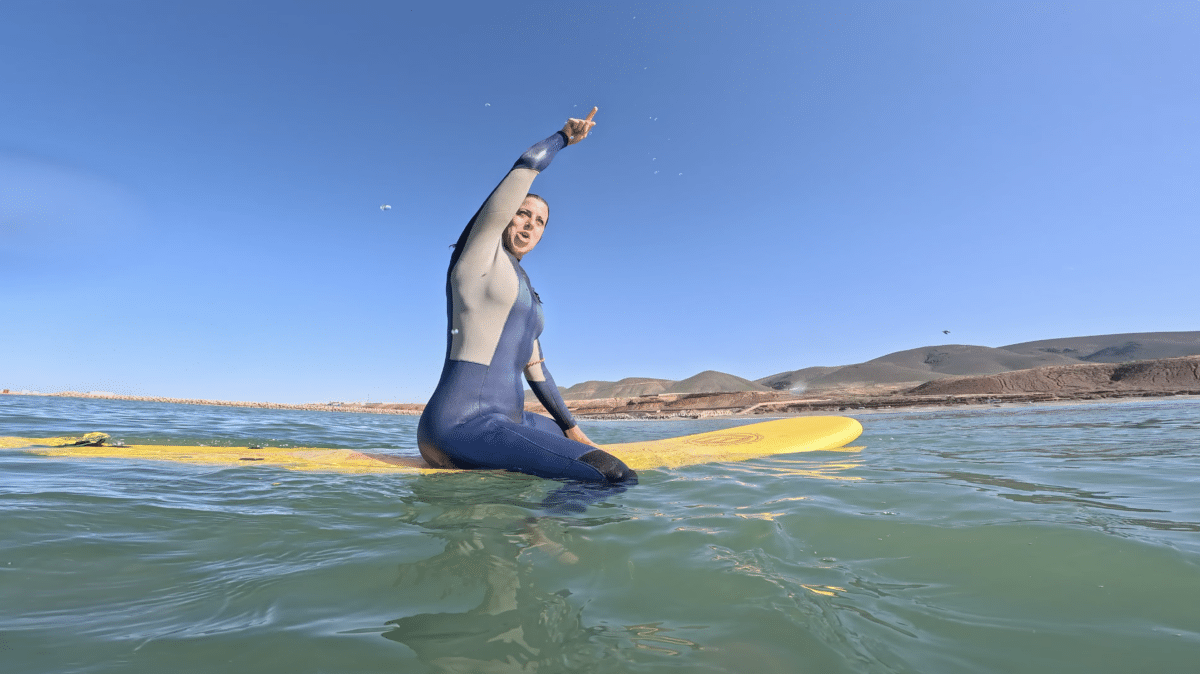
column 518, row 625
column 510, row 591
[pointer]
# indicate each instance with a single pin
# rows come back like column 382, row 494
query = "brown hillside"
column 1162, row 375
column 796, row 379
column 629, row 387
column 711, row 381
column 914, row 366
column 1117, row 348
column 963, row 359
column 911, row 367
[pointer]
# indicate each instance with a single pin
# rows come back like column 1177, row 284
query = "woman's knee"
column 612, row 468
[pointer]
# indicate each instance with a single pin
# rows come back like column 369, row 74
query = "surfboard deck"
column 767, row 438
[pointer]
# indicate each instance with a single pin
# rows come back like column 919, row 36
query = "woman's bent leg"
column 537, row 447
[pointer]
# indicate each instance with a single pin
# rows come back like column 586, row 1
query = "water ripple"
column 1015, row 539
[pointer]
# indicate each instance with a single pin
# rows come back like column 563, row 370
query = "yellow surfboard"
column 768, row 438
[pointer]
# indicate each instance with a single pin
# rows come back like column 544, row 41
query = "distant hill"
column 629, row 387
column 711, row 381
column 928, row 363
column 915, row 366
column 871, row 373
column 1117, row 348
column 796, row 379
column 1167, row 375
column 961, row 359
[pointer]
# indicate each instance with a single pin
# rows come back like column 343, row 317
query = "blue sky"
column 190, row 192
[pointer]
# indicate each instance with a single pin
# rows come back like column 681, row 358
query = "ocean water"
column 1023, row 539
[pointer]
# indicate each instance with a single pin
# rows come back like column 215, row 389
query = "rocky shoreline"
column 1166, row 377
column 703, row 406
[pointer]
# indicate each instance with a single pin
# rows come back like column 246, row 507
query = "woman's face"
column 526, row 228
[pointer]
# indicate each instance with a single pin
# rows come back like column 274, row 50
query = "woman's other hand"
column 577, row 435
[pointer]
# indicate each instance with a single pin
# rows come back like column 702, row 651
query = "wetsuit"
column 476, row 417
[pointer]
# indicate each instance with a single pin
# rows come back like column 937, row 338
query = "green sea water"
column 1026, row 539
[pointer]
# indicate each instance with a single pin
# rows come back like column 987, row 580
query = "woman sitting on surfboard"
column 476, row 417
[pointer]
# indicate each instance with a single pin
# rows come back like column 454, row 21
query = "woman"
column 476, row 417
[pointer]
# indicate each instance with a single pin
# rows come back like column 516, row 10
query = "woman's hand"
column 578, row 129
column 577, row 435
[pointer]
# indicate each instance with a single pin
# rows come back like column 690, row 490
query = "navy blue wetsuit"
column 476, row 417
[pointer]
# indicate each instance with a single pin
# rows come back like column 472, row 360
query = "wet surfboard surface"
column 767, row 438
